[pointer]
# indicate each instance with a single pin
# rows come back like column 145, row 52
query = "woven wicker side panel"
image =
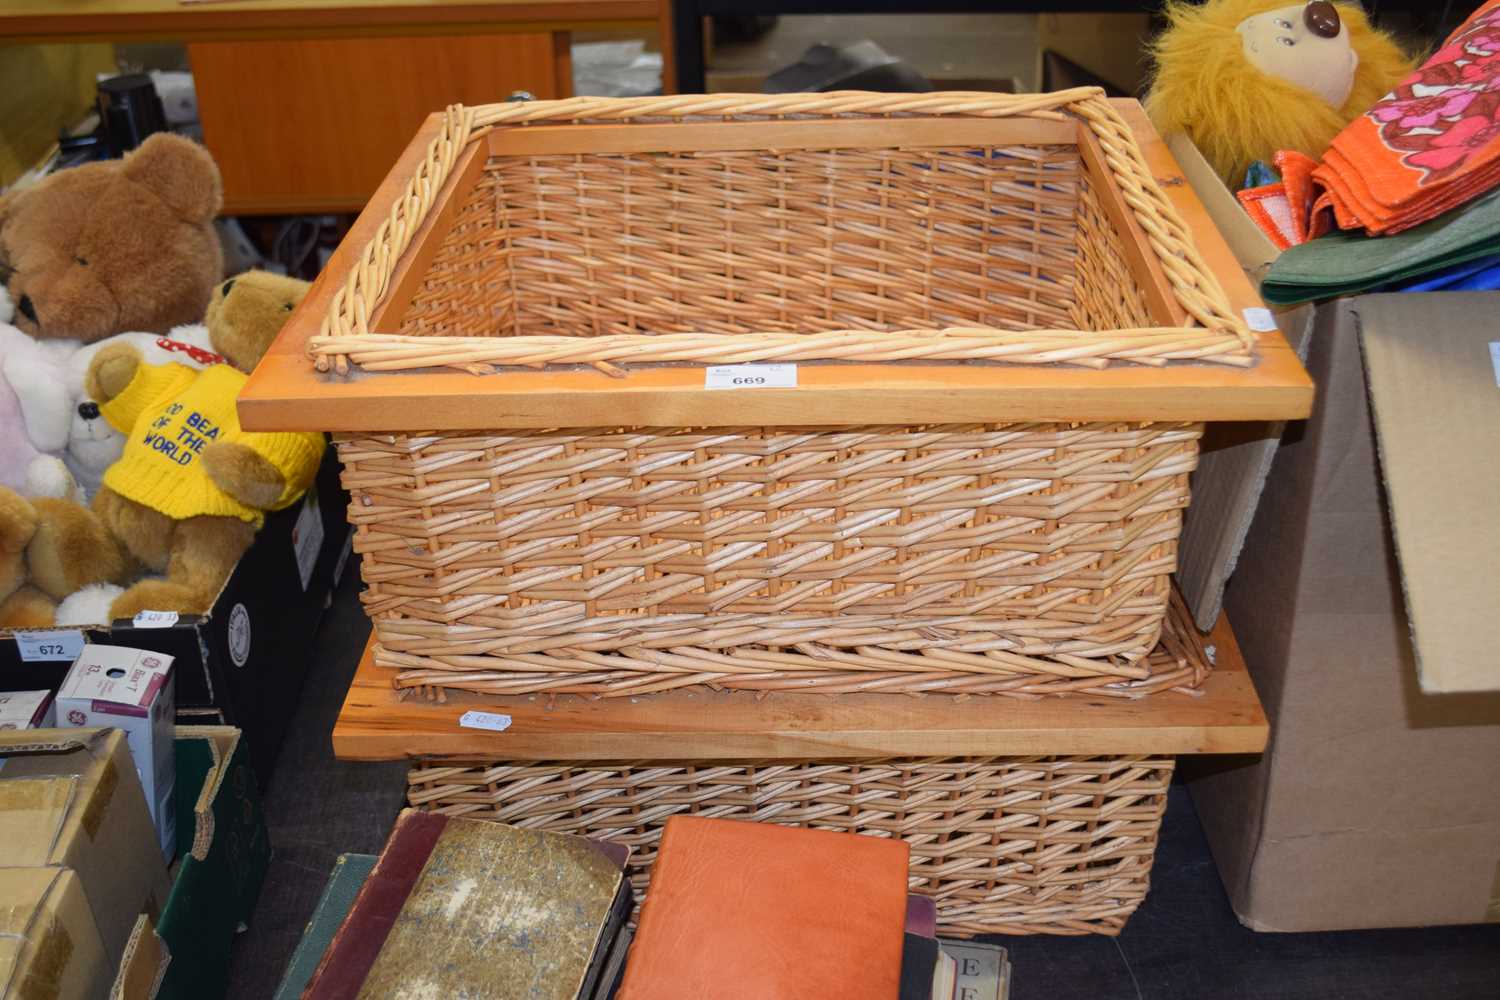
column 478, row 659
column 1036, row 845
column 467, row 289
column 759, row 241
column 1108, row 295
column 1019, row 552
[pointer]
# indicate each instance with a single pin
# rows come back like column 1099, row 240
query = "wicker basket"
column 1004, row 845
column 935, row 229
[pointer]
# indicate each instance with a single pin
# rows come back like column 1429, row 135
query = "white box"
column 131, row 690
column 27, row 710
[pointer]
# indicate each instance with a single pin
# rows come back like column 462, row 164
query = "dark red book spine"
column 359, row 939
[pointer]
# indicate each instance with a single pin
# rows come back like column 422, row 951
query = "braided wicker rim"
column 1218, row 336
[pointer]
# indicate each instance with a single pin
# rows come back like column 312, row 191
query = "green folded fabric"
column 1346, row 262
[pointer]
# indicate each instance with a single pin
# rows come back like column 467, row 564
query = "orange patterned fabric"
column 1284, row 210
column 1431, row 145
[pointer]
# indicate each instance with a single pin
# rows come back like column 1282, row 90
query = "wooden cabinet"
column 314, row 125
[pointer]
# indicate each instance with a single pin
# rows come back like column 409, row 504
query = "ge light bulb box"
column 27, row 710
column 131, row 690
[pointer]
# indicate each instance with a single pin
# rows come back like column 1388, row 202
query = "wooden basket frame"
column 1196, row 321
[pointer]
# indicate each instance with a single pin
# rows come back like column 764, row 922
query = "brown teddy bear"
column 81, row 552
column 122, row 245
column 191, row 488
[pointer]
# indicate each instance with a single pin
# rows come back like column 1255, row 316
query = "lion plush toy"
column 191, row 487
column 1247, row 78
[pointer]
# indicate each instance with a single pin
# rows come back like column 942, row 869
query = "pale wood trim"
column 1226, row 717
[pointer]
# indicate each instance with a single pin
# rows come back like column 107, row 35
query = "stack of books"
column 934, row 968
column 939, row 969
column 457, row 907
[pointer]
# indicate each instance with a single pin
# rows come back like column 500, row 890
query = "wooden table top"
column 119, row 20
column 1225, row 716
column 285, row 393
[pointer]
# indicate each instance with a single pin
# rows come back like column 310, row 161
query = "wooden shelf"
column 141, row 20
column 285, row 393
column 1225, row 717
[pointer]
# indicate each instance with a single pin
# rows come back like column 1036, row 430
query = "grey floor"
column 1183, row 944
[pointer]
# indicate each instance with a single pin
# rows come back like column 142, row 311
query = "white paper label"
column 484, row 720
column 1260, row 320
column 749, row 376
column 65, row 645
column 307, row 538
column 1495, row 359
column 154, row 619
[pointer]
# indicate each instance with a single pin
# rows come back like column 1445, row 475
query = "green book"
column 349, row 873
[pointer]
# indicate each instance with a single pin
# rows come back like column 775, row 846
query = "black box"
column 243, row 663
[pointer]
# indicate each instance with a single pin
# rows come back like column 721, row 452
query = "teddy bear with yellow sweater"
column 191, row 488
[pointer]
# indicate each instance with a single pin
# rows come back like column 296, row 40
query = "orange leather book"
column 750, row 911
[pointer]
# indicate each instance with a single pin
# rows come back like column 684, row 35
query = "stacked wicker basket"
column 547, row 502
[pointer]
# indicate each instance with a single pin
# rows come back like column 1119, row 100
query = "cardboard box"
column 220, row 869
column 243, row 663
column 49, row 943
column 1376, row 804
column 69, row 798
column 27, row 710
column 131, row 690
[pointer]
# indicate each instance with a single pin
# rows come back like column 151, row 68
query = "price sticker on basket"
column 1260, row 319
column 493, row 721
column 750, row 377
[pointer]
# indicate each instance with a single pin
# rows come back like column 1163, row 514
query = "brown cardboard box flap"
column 222, row 740
column 1436, row 402
column 52, row 741
column 143, row 965
column 1252, row 248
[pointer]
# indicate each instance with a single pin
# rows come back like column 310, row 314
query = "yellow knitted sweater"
column 169, row 415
